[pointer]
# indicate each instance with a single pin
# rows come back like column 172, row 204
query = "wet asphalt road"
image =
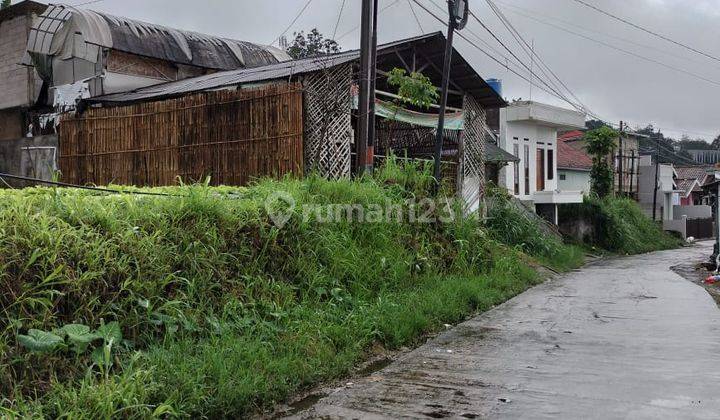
column 624, row 338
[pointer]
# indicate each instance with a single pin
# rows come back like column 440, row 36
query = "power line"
column 293, row 22
column 531, row 52
column 473, row 44
column 669, row 150
column 624, row 51
column 609, row 35
column 337, row 23
column 555, row 90
column 627, row 22
column 412, row 9
column 84, row 187
column 86, row 3
column 355, row 28
column 461, row 35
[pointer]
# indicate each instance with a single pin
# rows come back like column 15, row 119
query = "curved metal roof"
column 54, row 33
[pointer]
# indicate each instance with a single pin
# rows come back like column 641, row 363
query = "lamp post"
column 458, row 11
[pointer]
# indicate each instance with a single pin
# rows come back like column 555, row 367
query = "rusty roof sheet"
column 464, row 75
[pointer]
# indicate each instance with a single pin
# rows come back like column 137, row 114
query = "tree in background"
column 311, row 44
column 669, row 153
column 600, row 144
column 4, row 4
column 686, row 143
column 594, row 124
column 716, row 143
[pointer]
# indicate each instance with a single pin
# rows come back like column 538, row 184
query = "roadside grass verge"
column 508, row 224
column 218, row 312
column 620, row 226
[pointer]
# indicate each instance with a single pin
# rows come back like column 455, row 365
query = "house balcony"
column 557, row 197
column 545, row 115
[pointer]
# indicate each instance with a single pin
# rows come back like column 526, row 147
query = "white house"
column 528, row 130
column 668, row 194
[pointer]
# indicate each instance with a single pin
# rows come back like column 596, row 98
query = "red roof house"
column 572, row 157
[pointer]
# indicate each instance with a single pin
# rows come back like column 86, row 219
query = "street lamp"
column 459, row 12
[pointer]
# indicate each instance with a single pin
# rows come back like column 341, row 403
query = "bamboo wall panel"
column 231, row 136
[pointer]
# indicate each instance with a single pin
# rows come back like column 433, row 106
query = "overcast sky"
column 612, row 84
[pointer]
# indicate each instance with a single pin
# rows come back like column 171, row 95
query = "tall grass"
column 620, row 226
column 509, row 224
column 222, row 313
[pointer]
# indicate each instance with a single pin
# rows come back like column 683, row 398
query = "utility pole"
column 532, row 65
column 370, row 160
column 632, row 174
column 364, row 94
column 657, row 174
column 458, row 11
column 716, row 247
column 620, row 160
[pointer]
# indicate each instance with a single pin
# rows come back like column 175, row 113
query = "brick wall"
column 14, row 78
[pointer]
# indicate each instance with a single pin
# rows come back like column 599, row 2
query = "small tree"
column 716, row 143
column 600, row 144
column 415, row 88
column 311, row 44
column 4, row 4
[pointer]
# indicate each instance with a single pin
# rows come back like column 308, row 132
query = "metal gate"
column 700, row 228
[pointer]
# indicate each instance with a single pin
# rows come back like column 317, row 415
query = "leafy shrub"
column 509, row 224
column 619, row 225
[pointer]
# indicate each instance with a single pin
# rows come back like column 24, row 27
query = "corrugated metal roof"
column 225, row 79
column 54, row 34
column 464, row 75
column 495, row 154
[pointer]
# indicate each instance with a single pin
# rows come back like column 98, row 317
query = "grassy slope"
column 223, row 313
column 509, row 225
column 621, row 226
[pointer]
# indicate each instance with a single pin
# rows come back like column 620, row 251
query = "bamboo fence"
column 230, row 136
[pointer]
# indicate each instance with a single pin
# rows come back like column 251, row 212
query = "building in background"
column 691, row 179
column 667, row 194
column 705, row 157
column 574, row 167
column 528, row 130
column 20, row 87
column 81, row 54
column 626, row 158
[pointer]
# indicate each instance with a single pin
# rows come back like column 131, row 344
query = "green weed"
column 220, row 312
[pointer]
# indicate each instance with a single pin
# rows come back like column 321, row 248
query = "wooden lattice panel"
column 328, row 129
column 472, row 173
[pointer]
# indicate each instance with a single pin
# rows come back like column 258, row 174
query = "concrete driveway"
column 624, row 338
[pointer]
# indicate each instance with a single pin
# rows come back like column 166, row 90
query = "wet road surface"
column 623, row 338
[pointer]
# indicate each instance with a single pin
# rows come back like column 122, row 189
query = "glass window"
column 527, row 169
column 516, row 152
column 540, row 170
column 550, row 164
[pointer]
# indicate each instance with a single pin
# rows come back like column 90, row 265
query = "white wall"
column 574, row 180
column 538, row 137
column 692, row 212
